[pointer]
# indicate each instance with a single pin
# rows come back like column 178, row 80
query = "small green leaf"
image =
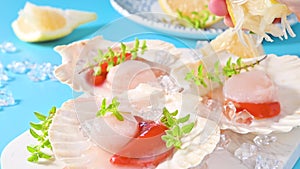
column 187, row 128
column 33, row 158
column 239, row 62
column 184, row 119
column 200, row 70
column 31, row 149
column 34, row 134
column 137, row 44
column 167, row 137
column 119, row 116
column 176, row 131
column 36, row 126
column 174, row 113
column 44, row 155
column 177, row 144
column 170, row 120
column 170, row 143
column 40, row 116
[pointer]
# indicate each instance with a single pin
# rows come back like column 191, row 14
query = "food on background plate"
column 81, row 59
column 192, row 13
column 84, row 133
column 239, row 44
column 267, row 96
column 258, row 16
column 45, row 23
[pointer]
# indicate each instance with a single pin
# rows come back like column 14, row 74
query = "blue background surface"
column 41, row 96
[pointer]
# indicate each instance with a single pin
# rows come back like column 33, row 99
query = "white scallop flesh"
column 78, row 147
column 128, row 75
column 254, row 86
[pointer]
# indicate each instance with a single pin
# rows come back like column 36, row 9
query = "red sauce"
column 98, row 80
column 147, row 149
column 260, row 110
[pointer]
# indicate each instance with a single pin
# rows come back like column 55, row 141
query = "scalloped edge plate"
column 149, row 13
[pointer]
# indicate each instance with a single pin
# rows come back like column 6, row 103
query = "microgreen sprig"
column 197, row 20
column 113, row 58
column 40, row 132
column 231, row 68
column 176, row 130
column 112, row 108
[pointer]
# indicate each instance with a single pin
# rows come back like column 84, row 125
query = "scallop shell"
column 284, row 71
column 72, row 146
column 77, row 56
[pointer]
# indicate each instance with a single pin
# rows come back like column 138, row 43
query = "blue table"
column 41, row 96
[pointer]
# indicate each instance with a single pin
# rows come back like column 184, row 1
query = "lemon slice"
column 230, row 41
column 44, row 23
column 258, row 16
column 187, row 8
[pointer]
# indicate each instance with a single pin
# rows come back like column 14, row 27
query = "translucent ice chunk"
column 169, row 84
column 37, row 74
column 245, row 151
column 265, row 162
column 224, row 141
column 6, row 98
column 229, row 111
column 17, row 67
column 262, row 140
column 7, row 47
column 243, row 117
column 3, row 76
column 42, row 72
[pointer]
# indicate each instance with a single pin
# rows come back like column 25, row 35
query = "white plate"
column 15, row 154
column 150, row 14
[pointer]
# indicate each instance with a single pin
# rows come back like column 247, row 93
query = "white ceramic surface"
column 150, row 14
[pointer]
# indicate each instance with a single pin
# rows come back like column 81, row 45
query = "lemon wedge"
column 44, row 23
column 230, row 42
column 188, row 8
column 258, row 16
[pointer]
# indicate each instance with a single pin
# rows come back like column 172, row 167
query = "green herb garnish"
column 113, row 58
column 197, row 20
column 40, row 132
column 176, row 128
column 230, row 69
column 112, row 108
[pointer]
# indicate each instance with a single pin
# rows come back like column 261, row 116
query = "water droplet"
column 265, row 162
column 7, row 47
column 6, row 98
column 263, row 140
column 245, row 151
